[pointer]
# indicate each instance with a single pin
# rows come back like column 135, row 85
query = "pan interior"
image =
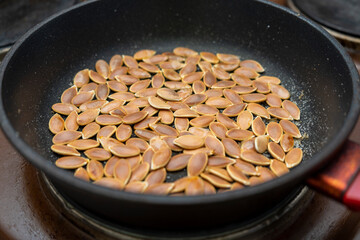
column 310, row 67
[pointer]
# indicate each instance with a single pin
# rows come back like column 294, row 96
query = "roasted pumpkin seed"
column 109, row 183
column 215, row 180
column 99, row 154
column 87, row 116
column 261, row 143
column 83, row 144
column 293, row 157
column 71, row 162
column 122, row 150
column 228, row 122
column 237, row 174
column 65, row 150
column 279, row 168
column 195, row 186
column 68, row 94
column 81, row 173
column 254, row 157
column 259, row 110
column 287, row 142
column 218, row 129
column 290, row 128
column 108, row 120
column 56, row 124
column 65, row 137
column 189, row 142
column 197, row 164
column 90, row 130
column 95, row 170
column 122, row 171
column 155, row 177
column 81, row 78
column 253, row 65
column 231, row 147
column 116, row 61
column 64, row 108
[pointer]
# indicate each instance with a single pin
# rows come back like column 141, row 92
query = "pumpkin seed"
column 237, row 174
column 231, row 147
column 236, row 185
column 139, row 143
column 287, row 142
column 204, row 150
column 180, row 185
column 118, row 71
column 189, row 142
column 220, row 74
column 95, row 170
column 134, row 161
column 146, row 53
column 261, row 143
column 218, row 129
column 124, row 96
column 184, row 52
column 64, row 108
column 171, row 65
column 56, row 124
column 195, row 186
column 130, row 61
column 65, row 137
column 279, row 90
column 218, row 102
column 129, row 109
column 177, row 105
column 116, row 61
column 122, row 171
column 140, row 85
column 103, row 68
column 94, row 104
column 220, row 161
column 273, row 100
column 269, row 79
column 255, row 180
column 147, row 156
column 96, row 77
column 146, row 122
column 156, row 59
column 220, row 172
column 248, row 144
column 290, row 128
column 193, row 77
column 147, row 92
column 149, row 67
column 232, row 96
column 227, row 67
column 279, row 113
column 71, row 162
column 106, row 132
column 199, row 87
column 209, row 78
column 243, row 90
column 254, row 97
column 205, row 66
column 159, row 189
column 228, row 122
column 166, row 116
column 81, row 173
column 215, row 180
column 293, row 157
column 241, row 80
column 276, row 151
column 145, row 134
column 123, row 132
column 140, row 172
column 171, row 75
column 134, row 117
column 162, row 129
column 108, row 120
column 244, row 119
column 253, row 65
column 275, row 131
column 202, row 121
column 87, row 116
column 176, row 85
column 195, row 59
column 254, row 157
column 81, row 78
column 187, row 69
column 265, row 173
column 228, row 58
column 209, row 57
column 139, row 73
column 170, row 142
column 126, row 79
column 88, row 87
column 291, row 107
column 99, row 154
column 185, row 113
column 110, row 165
column 215, row 145
column 155, row 177
column 178, row 162
column 239, row 134
column 204, row 109
column 122, row 150
column 64, row 150
column 197, row 164
column 108, row 142
column 278, row 168
column 68, row 94
column 259, row 110
column 90, row 130
column 110, row 183
column 108, row 107
column 246, row 168
column 181, row 124
column 158, row 103
column 246, row 72
column 136, row 187
column 234, row 110
column 258, row 126
column 261, row 87
column 83, row 144
column 168, row 94
column 208, row 188
column 195, row 99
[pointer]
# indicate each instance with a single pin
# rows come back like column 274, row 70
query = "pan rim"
column 302, row 171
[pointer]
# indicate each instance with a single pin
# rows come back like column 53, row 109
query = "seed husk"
column 68, row 94
column 261, row 143
column 140, row 172
column 215, row 145
column 193, row 77
column 253, row 65
column 178, row 162
column 228, row 58
column 87, row 116
column 202, row 121
column 176, row 85
column 81, row 173
column 124, row 96
column 220, row 161
column 161, row 158
column 171, row 75
column 273, row 100
column 122, row 150
column 208, row 188
column 123, row 132
column 140, row 85
column 220, row 172
column 71, row 162
column 279, row 168
column 140, row 102
column 269, row 79
column 103, row 68
column 108, row 142
column 195, row 186
column 209, row 78
column 276, row 151
column 134, row 117
column 108, row 107
column 122, row 171
column 64, row 108
column 147, row 156
column 155, row 177
column 265, row 173
column 106, row 132
column 209, row 57
column 228, row 122
column 261, row 87
column 292, row 108
column 88, row 87
column 83, row 144
column 94, row 104
column 134, row 161
column 246, row 168
column 158, row 103
column 218, row 102
column 252, row 156
column 116, row 61
column 96, row 77
column 147, row 92
column 259, row 110
column 146, row 122
column 65, row 137
column 254, row 97
column 193, row 59
column 130, row 61
column 215, row 180
column 138, row 142
column 279, row 113
column 197, row 164
column 180, row 185
column 195, row 99
column 275, row 131
column 166, row 116
column 145, row 53
column 231, row 147
column 186, row 113
column 145, row 134
column 81, row 78
column 246, row 72
column 187, row 69
column 129, row 109
column 170, row 142
column 110, row 183
column 184, row 52
column 232, row 96
column 287, row 142
column 189, row 142
column 279, row 90
column 177, row 105
column 156, row 59
column 118, row 71
column 290, row 128
column 95, row 170
column 171, row 65
column 244, row 90
column 90, row 130
column 108, row 120
column 159, row 189
column 218, row 129
column 65, row 150
column 56, row 124
column 234, row 110
column 157, row 80
column 199, row 87
column 293, row 157
column 204, row 109
column 163, row 129
column 220, row 74
column 258, row 126
column 241, row 80
column 126, row 79
column 237, row 174
column 239, row 134
column 254, row 180
column 150, row 110
column 136, row 187
column 99, row 154
column 149, row 67
column 248, row 144
column 168, row 94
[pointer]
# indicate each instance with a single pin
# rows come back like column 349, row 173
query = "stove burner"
column 267, row 226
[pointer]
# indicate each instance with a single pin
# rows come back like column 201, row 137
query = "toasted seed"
column 145, row 134
column 161, row 158
column 265, row 173
column 279, row 90
column 254, row 97
column 255, row 180
column 239, row 134
column 204, row 150
column 157, row 143
column 150, row 110
column 215, row 144
column 130, row 61
column 99, row 154
column 157, row 80
column 224, row 84
column 159, row 189
column 146, row 122
column 204, row 109
column 220, row 172
column 136, row 187
column 199, row 87
column 246, row 168
column 124, row 96
column 273, row 100
column 134, row 161
column 193, row 77
column 108, row 107
column 88, row 87
column 140, row 102
column 122, row 171
column 261, row 143
column 81, row 173
column 176, row 85
column 147, row 156
column 193, row 59
column 231, row 147
column 139, row 73
column 65, row 150
column 195, row 186
column 248, row 144
column 290, row 128
column 218, row 102
column 171, row 75
column 96, row 77
column 71, row 162
column 110, row 182
column 118, row 71
column 158, row 103
column 209, row 188
column 149, row 67
column 291, row 107
column 81, row 78
column 293, row 157
column 197, row 164
column 166, row 130
column 189, row 142
column 218, row 129
column 64, row 137
column 261, row 87
column 227, row 67
column 279, row 168
column 228, row 58
column 108, row 142
column 108, row 120
column 184, row 93
column 90, row 130
column 220, row 74
column 122, row 150
column 123, row 132
column 276, row 151
column 140, row 172
column 177, row 105
column 116, row 61
column 178, row 162
column 232, row 96
column 139, row 143
column 258, row 126
column 185, row 112
column 64, row 108
column 95, row 170
column 254, row 157
column 187, row 69
column 269, row 79
column 234, row 110
column 166, row 116
column 253, row 65
column 69, row 94
column 170, row 142
column 244, row 119
column 195, row 99
column 241, row 80
column 236, row 185
column 126, row 79
column 103, row 68
column 168, row 94
column 184, row 52
column 202, row 121
column 209, row 57
column 246, row 72
column 83, row 144
column 237, row 174
column 92, row 104
column 199, row 131
column 220, row 161
column 209, row 78
column 106, row 132
column 279, row 113
column 156, row 59
column 215, row 180
column 205, row 66
column 140, row 85
column 171, row 65
column 180, row 185
column 146, row 53
column 244, row 90
column 228, row 122
column 287, row 142
column 87, row 116
column 56, row 124
column 275, row 131
column 157, row 176
column 129, row 109
column 134, row 117
column 259, row 110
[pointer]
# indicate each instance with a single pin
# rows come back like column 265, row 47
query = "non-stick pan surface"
column 311, row 64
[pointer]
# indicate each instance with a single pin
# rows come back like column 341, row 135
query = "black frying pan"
column 309, row 62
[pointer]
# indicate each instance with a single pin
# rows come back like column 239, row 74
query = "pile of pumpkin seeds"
column 133, row 120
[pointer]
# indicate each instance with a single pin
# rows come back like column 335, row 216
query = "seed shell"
column 220, row 161
column 197, row 164
column 139, row 143
column 68, row 94
column 65, row 150
column 220, row 172
column 157, row 80
column 130, row 61
column 215, row 180
column 189, row 142
column 273, row 100
column 239, row 134
column 56, row 124
column 228, row 122
column 253, row 65
column 108, row 120
column 83, row 144
column 96, row 77
column 122, row 171
column 64, row 108
column 99, row 154
column 145, row 53
column 279, row 113
column 122, row 150
column 246, row 168
column 279, row 90
column 178, row 162
column 134, row 117
column 195, row 186
column 276, row 151
column 116, row 61
column 106, row 132
column 157, row 176
column 254, row 157
column 215, row 145
column 218, row 102
column 90, row 130
column 254, row 97
column 287, row 142
column 232, row 96
column 110, row 183
column 218, row 129
column 292, row 108
column 81, row 173
column 234, row 110
column 158, row 103
column 246, row 72
column 279, row 168
column 87, row 116
column 258, row 126
column 293, row 157
column 140, row 172
column 65, row 137
column 81, row 78
column 180, row 185
column 209, row 78
column 202, row 121
column 123, row 132
column 95, row 170
column 231, row 147
column 259, row 110
column 237, row 175
column 159, row 189
column 290, row 128
column 209, row 57
column 261, row 143
column 241, row 80
column 193, row 77
column 136, row 187
column 145, row 134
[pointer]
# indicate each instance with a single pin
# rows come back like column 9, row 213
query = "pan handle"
column 341, row 180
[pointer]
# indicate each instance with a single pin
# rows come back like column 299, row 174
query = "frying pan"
column 312, row 65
